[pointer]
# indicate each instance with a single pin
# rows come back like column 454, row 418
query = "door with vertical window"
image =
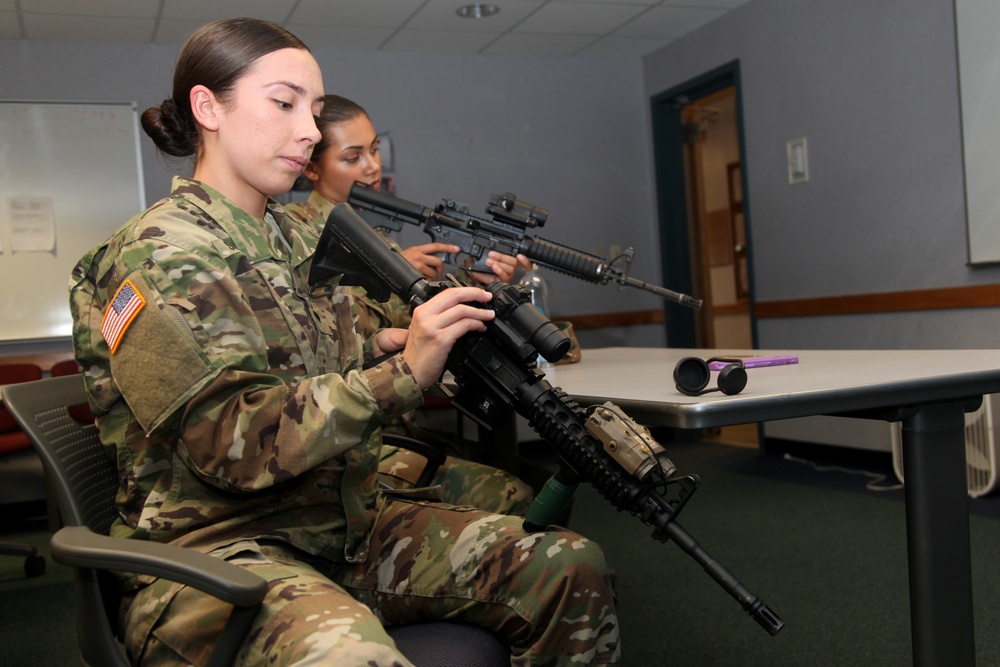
column 700, row 178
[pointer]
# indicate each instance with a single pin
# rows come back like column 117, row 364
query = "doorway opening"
column 704, row 217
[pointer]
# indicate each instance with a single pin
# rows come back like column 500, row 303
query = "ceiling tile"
column 360, row 13
column 668, row 22
column 524, row 44
column 624, row 47
column 552, row 27
column 175, row 31
column 87, row 28
column 353, row 39
column 441, row 15
column 212, row 10
column 438, row 41
column 123, row 8
column 713, row 4
column 623, row 2
column 9, row 27
column 578, row 19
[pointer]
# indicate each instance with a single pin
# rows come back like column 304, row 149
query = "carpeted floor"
column 826, row 553
column 37, row 613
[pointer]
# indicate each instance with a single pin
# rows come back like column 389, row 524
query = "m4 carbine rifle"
column 496, row 374
column 506, row 232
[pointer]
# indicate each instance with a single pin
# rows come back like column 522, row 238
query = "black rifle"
column 505, row 232
column 495, row 374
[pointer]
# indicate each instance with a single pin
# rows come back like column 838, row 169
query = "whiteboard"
column 70, row 175
column 977, row 24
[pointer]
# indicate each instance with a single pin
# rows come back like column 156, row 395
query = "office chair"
column 19, row 462
column 81, row 412
column 86, row 481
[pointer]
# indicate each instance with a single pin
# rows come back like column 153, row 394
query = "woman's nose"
column 310, row 131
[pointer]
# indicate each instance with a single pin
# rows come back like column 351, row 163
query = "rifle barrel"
column 682, row 299
column 585, row 266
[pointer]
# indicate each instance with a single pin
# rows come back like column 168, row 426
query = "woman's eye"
column 283, row 105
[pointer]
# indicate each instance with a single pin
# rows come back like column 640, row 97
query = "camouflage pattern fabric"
column 461, row 482
column 455, row 563
column 234, row 402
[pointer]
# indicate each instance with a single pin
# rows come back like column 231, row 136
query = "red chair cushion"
column 13, row 442
column 81, row 413
column 65, row 367
column 7, row 422
column 14, row 373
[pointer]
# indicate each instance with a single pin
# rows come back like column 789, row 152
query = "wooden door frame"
column 678, row 250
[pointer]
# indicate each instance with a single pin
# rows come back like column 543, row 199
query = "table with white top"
column 929, row 391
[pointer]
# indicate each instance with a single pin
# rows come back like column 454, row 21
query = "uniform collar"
column 322, row 204
column 252, row 236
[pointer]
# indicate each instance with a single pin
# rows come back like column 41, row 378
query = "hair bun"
column 169, row 129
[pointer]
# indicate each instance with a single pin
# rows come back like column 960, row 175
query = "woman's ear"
column 203, row 105
column 311, row 172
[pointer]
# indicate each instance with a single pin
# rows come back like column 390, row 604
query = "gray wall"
column 566, row 134
column 873, row 86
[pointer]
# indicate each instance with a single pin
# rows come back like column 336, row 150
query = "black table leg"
column 937, row 528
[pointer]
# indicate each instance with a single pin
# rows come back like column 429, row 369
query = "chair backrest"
column 85, row 481
column 84, row 476
column 80, row 412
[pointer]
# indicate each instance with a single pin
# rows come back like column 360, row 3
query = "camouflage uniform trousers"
column 462, row 482
column 547, row 593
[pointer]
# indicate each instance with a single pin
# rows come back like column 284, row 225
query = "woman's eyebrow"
column 359, row 147
column 297, row 89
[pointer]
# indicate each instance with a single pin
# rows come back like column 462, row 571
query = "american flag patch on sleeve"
column 119, row 315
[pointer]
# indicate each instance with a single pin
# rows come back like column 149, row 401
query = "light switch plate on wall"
column 798, row 161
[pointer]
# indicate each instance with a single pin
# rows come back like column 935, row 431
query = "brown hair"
column 336, row 109
column 216, row 56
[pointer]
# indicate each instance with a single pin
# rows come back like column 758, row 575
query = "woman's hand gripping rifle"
column 496, row 375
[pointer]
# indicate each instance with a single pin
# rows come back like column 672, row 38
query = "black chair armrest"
column 79, row 546
column 435, row 457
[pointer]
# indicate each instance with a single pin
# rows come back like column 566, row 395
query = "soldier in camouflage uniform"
column 233, row 399
column 349, row 152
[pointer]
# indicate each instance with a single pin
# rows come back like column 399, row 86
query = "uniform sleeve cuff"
column 394, row 387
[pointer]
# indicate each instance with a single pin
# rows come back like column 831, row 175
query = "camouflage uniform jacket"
column 372, row 315
column 234, row 399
